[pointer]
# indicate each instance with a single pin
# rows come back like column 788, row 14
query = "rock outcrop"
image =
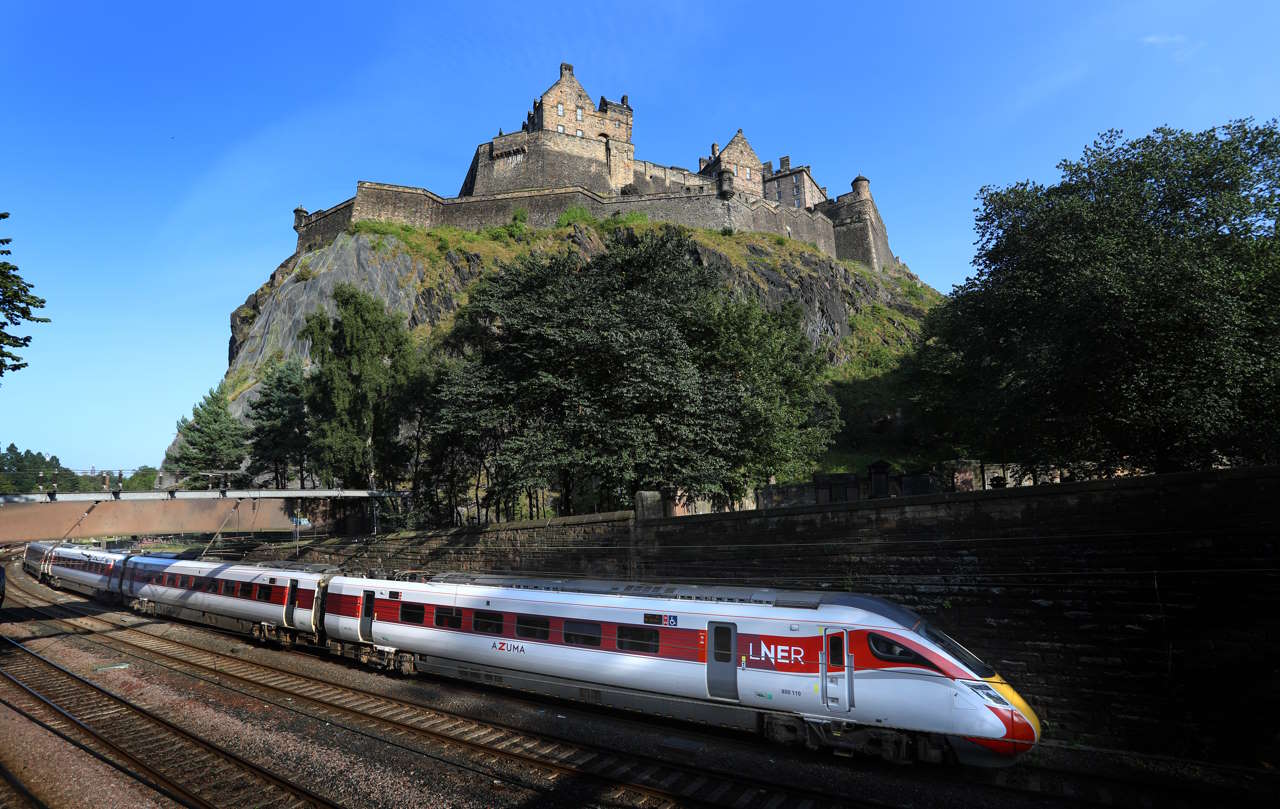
column 425, row 276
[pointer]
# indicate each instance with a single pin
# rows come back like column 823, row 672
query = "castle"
column 571, row 152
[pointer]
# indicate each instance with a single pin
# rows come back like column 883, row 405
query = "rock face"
column 426, row 275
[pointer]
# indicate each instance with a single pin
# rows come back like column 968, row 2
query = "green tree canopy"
column 278, row 439
column 632, row 370
column 211, row 440
column 1126, row 316
column 362, row 357
column 16, row 305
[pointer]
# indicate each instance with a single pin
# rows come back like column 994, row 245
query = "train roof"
column 761, row 596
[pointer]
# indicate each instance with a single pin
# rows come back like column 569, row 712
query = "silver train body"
column 838, row 670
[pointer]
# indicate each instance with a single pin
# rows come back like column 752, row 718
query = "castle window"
column 748, row 172
column 578, row 132
column 735, row 169
column 615, row 124
column 560, row 128
column 560, row 110
column 797, row 203
column 779, row 195
column 579, row 113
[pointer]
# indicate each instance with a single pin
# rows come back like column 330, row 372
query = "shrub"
column 620, row 220
column 726, row 231
column 781, row 241
column 575, row 214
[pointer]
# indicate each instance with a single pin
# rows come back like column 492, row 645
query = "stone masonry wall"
column 318, row 229
column 1139, row 614
column 700, row 207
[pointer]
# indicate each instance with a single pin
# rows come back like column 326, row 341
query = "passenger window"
column 449, row 617
column 191, row 582
column 490, row 623
column 532, row 626
column 412, row 613
column 243, row 589
column 264, row 592
column 637, row 639
column 835, row 650
column 581, row 633
column 722, row 638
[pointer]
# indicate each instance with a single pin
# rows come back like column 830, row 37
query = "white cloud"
column 1164, row 40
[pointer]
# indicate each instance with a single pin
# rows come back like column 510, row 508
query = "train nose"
column 1024, row 725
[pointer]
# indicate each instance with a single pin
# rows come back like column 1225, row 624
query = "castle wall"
column 527, row 160
column 417, row 207
column 796, row 223
column 650, row 178
column 698, row 207
column 319, row 228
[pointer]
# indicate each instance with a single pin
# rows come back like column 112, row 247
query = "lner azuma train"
column 828, row 669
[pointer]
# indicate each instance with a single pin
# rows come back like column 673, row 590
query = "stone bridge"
column 77, row 515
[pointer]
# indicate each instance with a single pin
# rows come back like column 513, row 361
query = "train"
column 852, row 673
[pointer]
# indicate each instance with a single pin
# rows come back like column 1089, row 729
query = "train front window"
column 967, row 658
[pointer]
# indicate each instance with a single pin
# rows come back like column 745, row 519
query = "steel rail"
column 148, row 741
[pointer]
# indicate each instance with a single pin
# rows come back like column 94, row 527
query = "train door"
column 366, row 616
column 722, row 667
column 115, row 576
column 837, row 671
column 290, row 602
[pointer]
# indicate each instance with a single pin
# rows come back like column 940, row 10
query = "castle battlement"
column 572, row 152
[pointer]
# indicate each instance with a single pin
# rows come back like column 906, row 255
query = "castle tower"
column 565, row 140
column 859, row 230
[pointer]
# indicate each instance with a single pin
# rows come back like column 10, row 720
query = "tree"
column 632, row 370
column 362, row 357
column 212, row 440
column 278, row 438
column 1125, row 317
column 143, row 479
column 16, row 305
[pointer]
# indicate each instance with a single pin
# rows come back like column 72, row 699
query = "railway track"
column 617, row 778
column 14, row 793
column 177, row 763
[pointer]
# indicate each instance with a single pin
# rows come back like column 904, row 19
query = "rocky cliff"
column 425, row 275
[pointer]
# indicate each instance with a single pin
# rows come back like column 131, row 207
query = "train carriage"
column 268, row 602
column 84, row 570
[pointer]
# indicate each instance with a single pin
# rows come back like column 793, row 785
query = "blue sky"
column 151, row 155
